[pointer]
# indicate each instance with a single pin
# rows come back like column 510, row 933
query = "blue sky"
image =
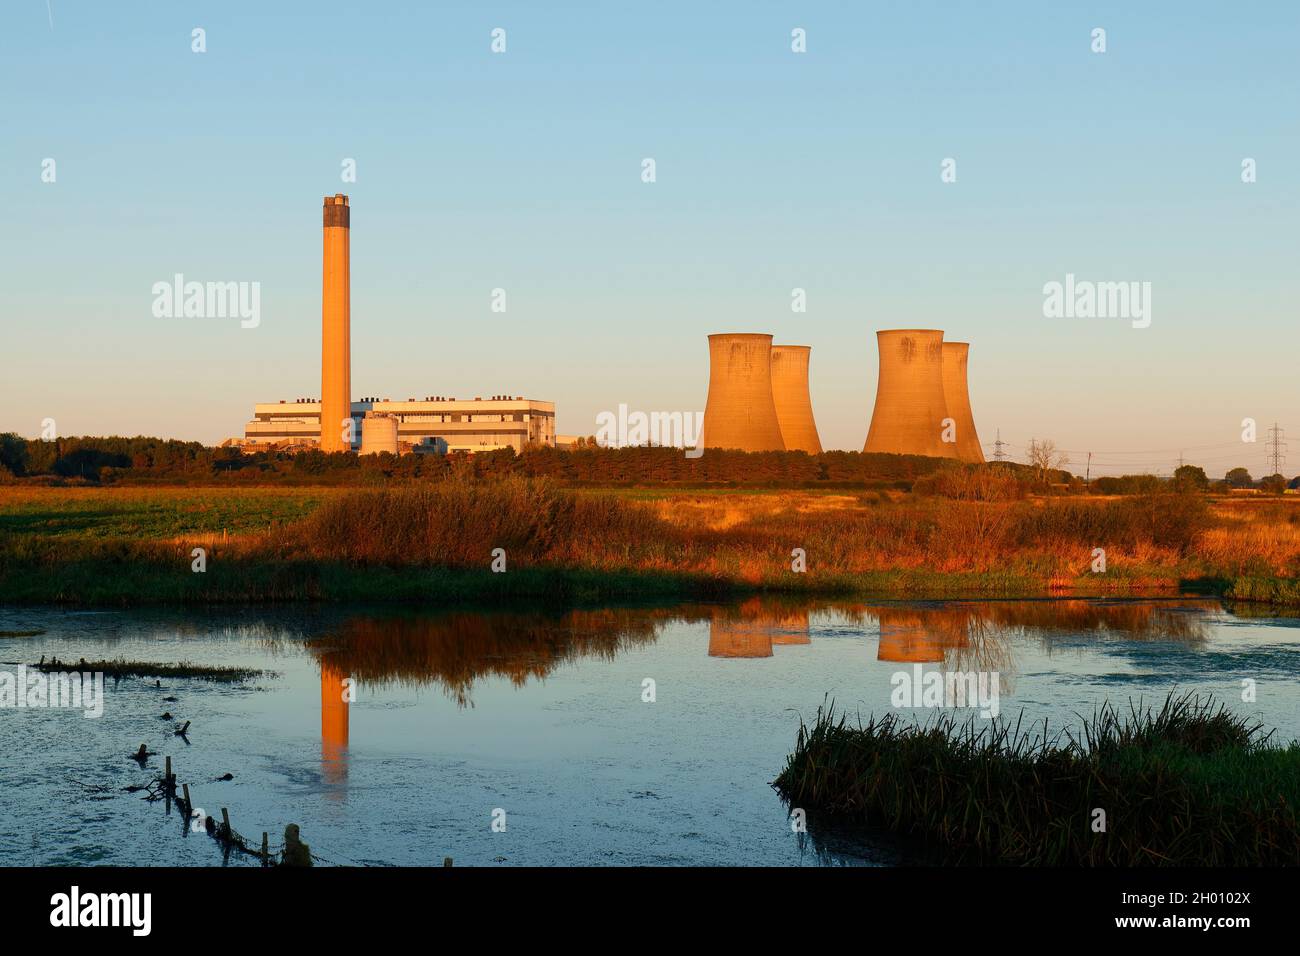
column 775, row 170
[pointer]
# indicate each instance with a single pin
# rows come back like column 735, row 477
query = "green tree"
column 1190, row 478
column 1273, row 484
column 1239, row 478
column 13, row 453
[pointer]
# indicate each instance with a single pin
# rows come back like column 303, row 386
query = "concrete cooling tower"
column 910, row 407
column 740, row 411
column 793, row 403
column 956, row 395
column 336, row 319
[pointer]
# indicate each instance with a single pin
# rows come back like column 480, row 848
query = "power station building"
column 433, row 423
column 337, row 422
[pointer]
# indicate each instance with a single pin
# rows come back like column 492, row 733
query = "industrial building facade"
column 371, row 425
column 472, row 426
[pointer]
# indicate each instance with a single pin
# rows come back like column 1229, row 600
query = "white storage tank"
column 378, row 434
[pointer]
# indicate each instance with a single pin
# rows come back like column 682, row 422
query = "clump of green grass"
column 1283, row 592
column 1189, row 784
column 218, row 673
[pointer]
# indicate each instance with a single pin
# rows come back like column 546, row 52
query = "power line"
column 1153, row 451
column 1157, row 460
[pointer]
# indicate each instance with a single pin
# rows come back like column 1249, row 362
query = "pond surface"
column 541, row 720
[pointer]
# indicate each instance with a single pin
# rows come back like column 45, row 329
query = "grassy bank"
column 120, row 668
column 438, row 542
column 1189, row 784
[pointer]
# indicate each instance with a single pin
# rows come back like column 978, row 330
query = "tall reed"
column 1188, row 784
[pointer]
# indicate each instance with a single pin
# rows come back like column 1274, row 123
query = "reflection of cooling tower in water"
column 740, row 411
column 739, row 637
column 793, row 403
column 956, row 395
column 910, row 408
column 904, row 639
column 333, row 726
column 918, row 635
column 790, row 629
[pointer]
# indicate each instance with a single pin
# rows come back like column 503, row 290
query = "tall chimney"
column 740, row 411
column 910, row 409
column 956, row 394
column 793, row 404
column 336, row 320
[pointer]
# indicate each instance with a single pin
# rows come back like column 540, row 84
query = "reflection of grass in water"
column 1189, row 784
column 219, row 673
column 1182, row 623
column 457, row 649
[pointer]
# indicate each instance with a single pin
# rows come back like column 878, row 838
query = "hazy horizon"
column 775, row 170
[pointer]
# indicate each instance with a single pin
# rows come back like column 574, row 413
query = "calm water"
column 541, row 715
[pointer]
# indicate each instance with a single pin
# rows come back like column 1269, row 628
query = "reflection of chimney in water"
column 333, row 725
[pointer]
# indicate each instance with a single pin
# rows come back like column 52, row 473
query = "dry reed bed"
column 979, row 536
column 1154, row 540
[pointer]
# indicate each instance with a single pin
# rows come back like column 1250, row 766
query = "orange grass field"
column 967, row 541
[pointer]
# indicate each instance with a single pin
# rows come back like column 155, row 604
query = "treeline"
column 143, row 460
column 1192, row 478
column 96, row 459
column 117, row 460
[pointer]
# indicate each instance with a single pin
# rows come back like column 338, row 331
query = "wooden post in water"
column 168, row 773
column 188, row 806
column 225, row 823
column 266, row 852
